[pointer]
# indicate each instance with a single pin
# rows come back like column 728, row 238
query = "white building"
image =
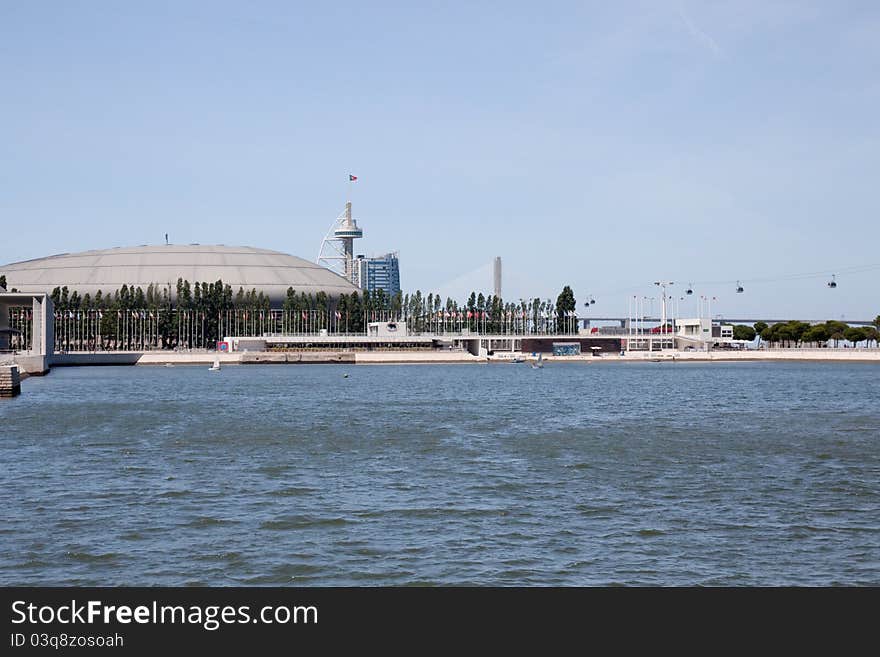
column 703, row 328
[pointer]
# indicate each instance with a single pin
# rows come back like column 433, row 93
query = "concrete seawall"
column 262, row 358
column 793, row 355
column 204, row 358
column 437, row 357
column 415, row 357
column 816, row 355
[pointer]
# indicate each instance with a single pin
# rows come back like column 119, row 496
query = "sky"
column 592, row 144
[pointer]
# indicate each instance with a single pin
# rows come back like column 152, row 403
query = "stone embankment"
column 449, row 357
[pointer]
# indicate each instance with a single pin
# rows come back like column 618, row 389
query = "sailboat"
column 216, row 366
column 537, row 365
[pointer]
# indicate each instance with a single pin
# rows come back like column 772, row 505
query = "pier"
column 10, row 383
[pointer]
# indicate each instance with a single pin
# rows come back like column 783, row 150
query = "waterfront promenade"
column 162, row 358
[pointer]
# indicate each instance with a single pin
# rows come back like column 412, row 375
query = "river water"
column 607, row 473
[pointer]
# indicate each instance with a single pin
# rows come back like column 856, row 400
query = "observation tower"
column 337, row 248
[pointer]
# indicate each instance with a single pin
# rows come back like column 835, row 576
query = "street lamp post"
column 663, row 285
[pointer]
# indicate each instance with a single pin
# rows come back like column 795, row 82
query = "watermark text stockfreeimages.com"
column 210, row 617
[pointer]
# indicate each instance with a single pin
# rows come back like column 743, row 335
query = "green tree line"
column 797, row 334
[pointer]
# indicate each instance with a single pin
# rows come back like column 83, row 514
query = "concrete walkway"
column 438, row 357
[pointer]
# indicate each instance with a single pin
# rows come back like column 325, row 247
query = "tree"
column 759, row 327
column 356, row 311
column 779, row 332
column 817, row 334
column 565, row 304
column 3, row 283
column 877, row 322
column 834, row 326
column 871, row 334
column 796, row 330
column 855, row 334
column 835, row 330
column 743, row 332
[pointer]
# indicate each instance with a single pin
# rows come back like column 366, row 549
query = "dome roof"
column 271, row 272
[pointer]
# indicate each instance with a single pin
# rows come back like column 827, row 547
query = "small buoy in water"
column 345, row 376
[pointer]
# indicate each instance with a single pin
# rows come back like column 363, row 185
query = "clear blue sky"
column 603, row 145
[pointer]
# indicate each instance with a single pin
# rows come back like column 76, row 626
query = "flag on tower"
column 352, row 178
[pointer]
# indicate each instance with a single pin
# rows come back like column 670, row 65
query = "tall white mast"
column 337, row 248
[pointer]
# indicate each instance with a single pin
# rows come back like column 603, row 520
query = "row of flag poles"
column 506, row 322
column 21, row 322
column 115, row 330
column 250, row 323
column 144, row 329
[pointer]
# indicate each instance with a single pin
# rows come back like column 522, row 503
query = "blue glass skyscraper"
column 381, row 273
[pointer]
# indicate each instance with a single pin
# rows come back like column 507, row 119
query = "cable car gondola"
column 690, row 289
column 832, row 283
column 739, row 288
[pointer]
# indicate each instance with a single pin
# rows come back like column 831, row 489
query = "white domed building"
column 269, row 272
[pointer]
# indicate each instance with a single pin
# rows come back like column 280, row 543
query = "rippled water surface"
column 654, row 473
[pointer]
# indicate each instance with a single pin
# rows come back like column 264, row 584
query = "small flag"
column 352, row 178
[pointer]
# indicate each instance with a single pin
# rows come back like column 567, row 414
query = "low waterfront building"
column 704, row 328
column 27, row 329
column 387, row 329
